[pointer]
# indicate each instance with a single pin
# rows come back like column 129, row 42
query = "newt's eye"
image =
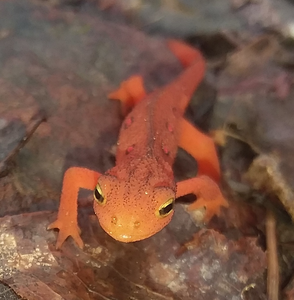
column 166, row 208
column 98, row 195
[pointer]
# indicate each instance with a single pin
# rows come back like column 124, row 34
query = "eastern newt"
column 135, row 199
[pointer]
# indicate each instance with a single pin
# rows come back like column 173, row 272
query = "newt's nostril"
column 137, row 224
column 114, row 220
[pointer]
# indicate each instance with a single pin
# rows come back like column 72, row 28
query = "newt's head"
column 133, row 210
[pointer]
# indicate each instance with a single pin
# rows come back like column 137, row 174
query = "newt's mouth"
column 121, row 236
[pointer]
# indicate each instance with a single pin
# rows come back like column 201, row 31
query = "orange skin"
column 142, row 182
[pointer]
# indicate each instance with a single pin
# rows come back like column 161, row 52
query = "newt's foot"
column 212, row 206
column 209, row 197
column 66, row 230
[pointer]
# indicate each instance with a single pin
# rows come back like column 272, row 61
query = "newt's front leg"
column 204, row 186
column 67, row 219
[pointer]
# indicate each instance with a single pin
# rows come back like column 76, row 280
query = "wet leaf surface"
column 111, row 270
column 256, row 95
column 186, row 18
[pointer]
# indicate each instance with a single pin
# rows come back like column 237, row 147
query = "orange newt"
column 135, row 199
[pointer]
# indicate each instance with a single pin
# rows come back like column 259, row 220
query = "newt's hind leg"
column 129, row 93
column 201, row 147
column 207, row 191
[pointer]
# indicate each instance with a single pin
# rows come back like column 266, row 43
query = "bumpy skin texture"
column 134, row 191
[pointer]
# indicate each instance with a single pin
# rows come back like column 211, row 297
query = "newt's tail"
column 183, row 87
column 185, row 53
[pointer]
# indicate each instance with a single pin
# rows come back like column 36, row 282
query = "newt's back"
column 151, row 129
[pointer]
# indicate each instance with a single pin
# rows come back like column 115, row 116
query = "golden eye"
column 98, row 195
column 166, row 208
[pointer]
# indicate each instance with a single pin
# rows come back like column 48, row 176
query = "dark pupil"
column 165, row 210
column 98, row 196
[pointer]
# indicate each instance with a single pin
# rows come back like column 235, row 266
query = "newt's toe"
column 212, row 206
column 72, row 230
